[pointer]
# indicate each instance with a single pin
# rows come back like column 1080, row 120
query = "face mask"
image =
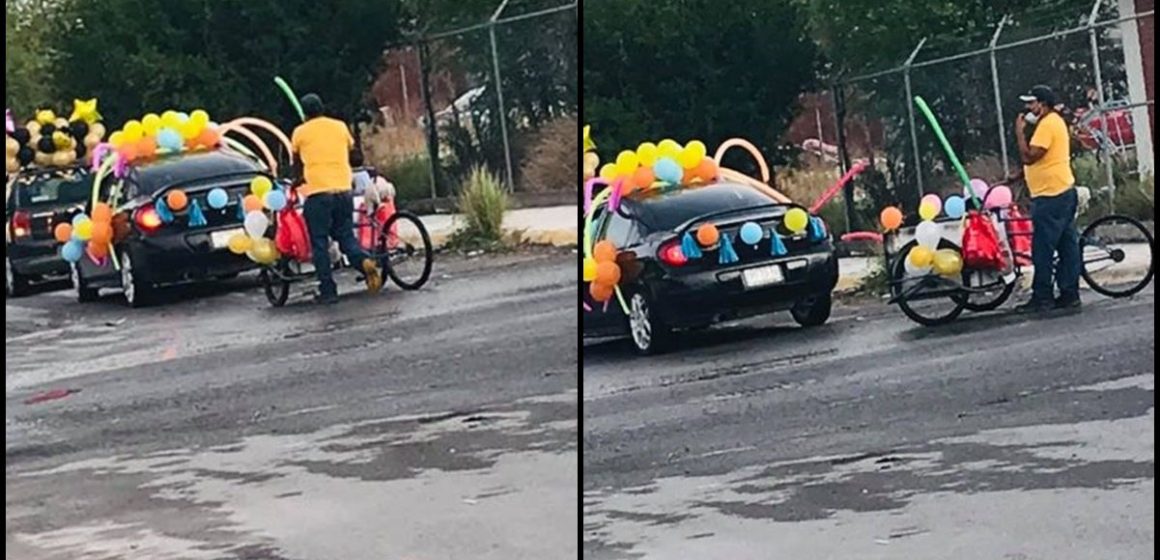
column 1030, row 118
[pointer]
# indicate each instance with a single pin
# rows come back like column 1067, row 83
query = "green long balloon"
column 285, row 87
column 922, row 106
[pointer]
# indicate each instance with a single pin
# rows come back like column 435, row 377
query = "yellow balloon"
column 199, row 116
column 190, row 130
column 589, row 269
column 626, row 163
column 920, row 256
column 669, row 148
column 927, row 211
column 239, row 243
column 151, row 123
column 947, row 262
column 796, row 220
column 260, row 186
column 83, row 230
column 591, row 164
column 133, row 131
column 170, row 119
column 692, row 154
column 263, row 251
column 608, row 172
column 45, row 117
column 117, row 139
column 647, row 153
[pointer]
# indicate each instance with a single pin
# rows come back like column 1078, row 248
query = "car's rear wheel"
column 84, row 294
column 138, row 292
column 648, row 333
column 15, row 285
column 813, row 311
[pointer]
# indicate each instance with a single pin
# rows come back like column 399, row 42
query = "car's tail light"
column 21, row 224
column 671, row 254
column 147, row 219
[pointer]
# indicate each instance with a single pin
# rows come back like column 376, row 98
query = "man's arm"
column 1028, row 153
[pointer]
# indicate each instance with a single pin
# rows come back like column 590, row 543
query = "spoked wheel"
column 1117, row 256
column 989, row 300
column 405, row 252
column 926, row 311
column 277, row 289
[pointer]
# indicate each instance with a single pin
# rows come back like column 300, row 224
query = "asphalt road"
column 438, row 424
column 1000, row 437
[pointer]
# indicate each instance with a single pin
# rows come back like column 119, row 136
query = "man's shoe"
column 1068, row 303
column 326, row 299
column 374, row 277
column 1034, row 306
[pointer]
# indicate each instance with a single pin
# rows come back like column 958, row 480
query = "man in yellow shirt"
column 322, row 153
column 1047, row 171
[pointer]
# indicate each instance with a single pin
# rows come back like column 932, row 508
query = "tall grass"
column 482, row 203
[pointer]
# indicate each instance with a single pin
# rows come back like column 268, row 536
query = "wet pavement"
column 1000, row 437
column 438, row 424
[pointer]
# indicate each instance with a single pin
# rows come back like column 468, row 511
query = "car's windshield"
column 52, row 189
column 669, row 210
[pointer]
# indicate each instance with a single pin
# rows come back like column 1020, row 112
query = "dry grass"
column 805, row 185
column 550, row 164
column 384, row 147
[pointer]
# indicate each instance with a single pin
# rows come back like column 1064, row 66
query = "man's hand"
column 1020, row 124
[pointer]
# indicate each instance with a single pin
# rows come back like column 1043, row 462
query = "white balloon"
column 928, row 234
column 256, row 224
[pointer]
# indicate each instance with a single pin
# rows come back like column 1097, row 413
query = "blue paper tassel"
column 163, row 212
column 776, row 245
column 241, row 209
column 196, row 216
column 689, row 247
column 817, row 230
column 727, row 255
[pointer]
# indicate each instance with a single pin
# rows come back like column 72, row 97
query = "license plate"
column 221, row 239
column 762, row 276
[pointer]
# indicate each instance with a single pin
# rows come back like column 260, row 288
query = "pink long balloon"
column 614, row 198
column 833, row 190
column 862, row 236
column 271, row 162
column 753, row 151
column 590, row 186
column 265, row 125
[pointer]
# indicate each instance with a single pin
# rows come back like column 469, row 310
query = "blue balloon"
column 668, row 171
column 79, row 218
column 750, row 233
column 170, row 139
column 218, row 199
column 275, row 200
column 955, row 206
column 72, row 251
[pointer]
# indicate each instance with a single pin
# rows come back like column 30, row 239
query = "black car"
column 36, row 201
column 666, row 290
column 158, row 252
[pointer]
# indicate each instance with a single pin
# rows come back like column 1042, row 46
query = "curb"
column 553, row 238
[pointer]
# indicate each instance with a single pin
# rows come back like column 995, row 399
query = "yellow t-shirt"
column 1051, row 175
column 323, row 144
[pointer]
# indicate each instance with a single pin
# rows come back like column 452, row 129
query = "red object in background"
column 366, row 236
column 1119, row 129
column 52, row 395
column 1019, row 235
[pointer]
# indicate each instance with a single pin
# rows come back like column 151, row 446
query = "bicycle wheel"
column 1117, row 256
column 929, row 312
column 404, row 249
column 987, row 301
column 277, row 289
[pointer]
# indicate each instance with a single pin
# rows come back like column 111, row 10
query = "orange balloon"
column 607, row 273
column 600, row 292
column 98, row 250
column 689, row 175
column 147, row 147
column 129, row 152
column 604, row 251
column 707, row 235
column 706, row 170
column 643, row 177
column 102, row 233
column 891, row 218
column 102, row 213
column 176, row 200
column 208, row 138
column 251, row 203
column 62, row 233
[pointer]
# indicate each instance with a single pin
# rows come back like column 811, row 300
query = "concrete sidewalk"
column 555, row 225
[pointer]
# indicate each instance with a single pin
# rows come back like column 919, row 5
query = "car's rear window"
column 52, row 189
column 189, row 169
column 669, row 210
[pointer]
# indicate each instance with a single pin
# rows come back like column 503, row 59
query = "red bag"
column 382, row 214
column 292, row 238
column 1019, row 234
column 981, row 248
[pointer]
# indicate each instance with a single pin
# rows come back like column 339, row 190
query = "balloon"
column 133, row 131
column 935, row 201
column 63, row 159
column 920, row 257
column 626, row 163
column 128, row 151
column 147, row 147
column 98, row 250
column 12, row 146
column 796, row 220
column 117, row 139
column 608, row 172
column 751, row 233
column 589, row 270
column 45, row 117
column 706, row 170
column 648, row 153
column 252, row 203
column 76, row 221
column 927, row 211
column 240, row 243
column 261, row 185
column 928, row 234
column 209, row 138
column 102, row 213
column 85, row 111
column 692, row 154
column 72, row 251
column 61, row 140
column 644, row 177
column 998, row 197
column 102, row 233
column 176, row 200
column 668, row 171
column 83, row 230
column 600, row 292
column 890, row 218
column 170, row 139
column 275, row 200
column 668, row 148
column 947, row 262
column 218, row 199
column 256, row 223
column 190, row 130
column 62, row 233
column 979, row 186
column 955, row 206
column 604, row 251
column 92, row 140
column 98, row 129
column 151, row 123
column 707, row 235
column 199, row 116
column 912, row 270
column 263, row 251
column 607, row 273
column 170, row 119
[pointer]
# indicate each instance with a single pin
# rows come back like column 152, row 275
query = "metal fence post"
column 507, row 151
column 1109, row 169
column 910, row 114
column 839, row 98
column 999, row 97
column 432, row 124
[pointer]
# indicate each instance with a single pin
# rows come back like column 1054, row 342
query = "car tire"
column 84, row 294
column 138, row 292
column 814, row 311
column 647, row 333
column 15, row 285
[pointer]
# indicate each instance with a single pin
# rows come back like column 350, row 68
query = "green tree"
column 694, row 69
column 28, row 56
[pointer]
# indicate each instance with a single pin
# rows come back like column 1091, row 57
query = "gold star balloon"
column 85, row 111
column 589, row 145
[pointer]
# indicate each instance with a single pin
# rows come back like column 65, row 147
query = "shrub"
column 550, row 164
column 411, row 177
column 482, row 203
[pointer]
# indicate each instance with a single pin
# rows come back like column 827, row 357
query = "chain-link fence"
column 1099, row 63
column 501, row 94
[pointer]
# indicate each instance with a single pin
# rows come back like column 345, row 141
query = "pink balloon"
column 934, row 200
column 998, row 197
column 980, row 188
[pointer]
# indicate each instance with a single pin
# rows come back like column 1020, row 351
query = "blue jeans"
column 331, row 216
column 1053, row 220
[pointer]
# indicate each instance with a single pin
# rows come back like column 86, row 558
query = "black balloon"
column 46, row 145
column 81, row 149
column 26, row 155
column 79, row 129
column 47, row 129
column 22, row 135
